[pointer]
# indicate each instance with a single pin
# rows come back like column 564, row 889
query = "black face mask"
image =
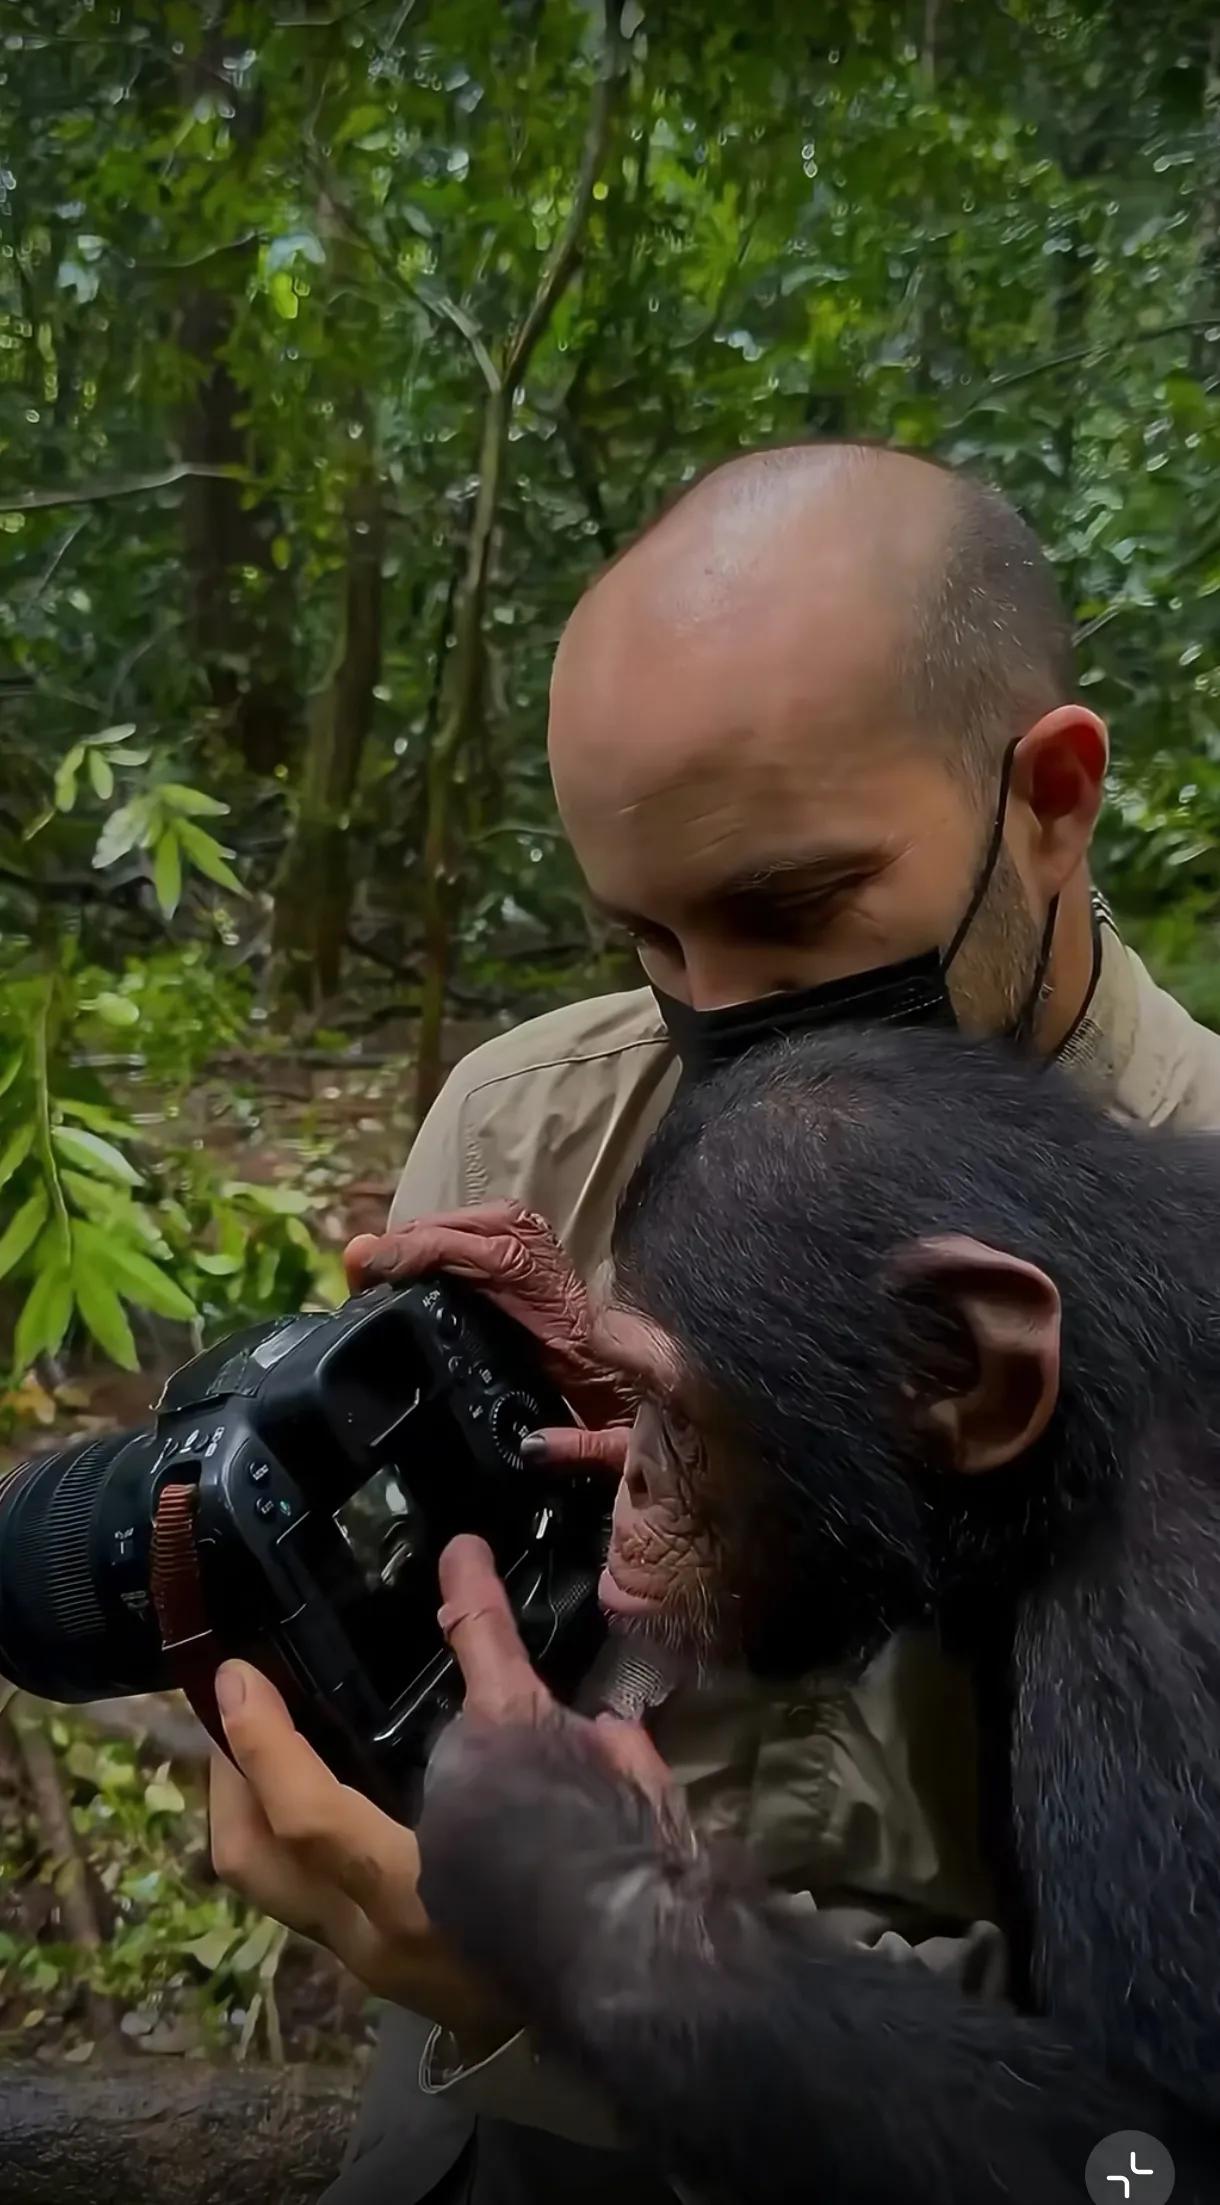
column 912, row 992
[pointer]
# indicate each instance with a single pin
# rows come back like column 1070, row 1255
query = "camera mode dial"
column 513, row 1415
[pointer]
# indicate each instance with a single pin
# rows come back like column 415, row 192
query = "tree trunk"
column 452, row 741
column 313, row 901
column 178, row 2133
column 246, row 652
column 1203, row 360
column 461, row 717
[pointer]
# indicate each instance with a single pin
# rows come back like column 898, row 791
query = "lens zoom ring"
column 57, row 1559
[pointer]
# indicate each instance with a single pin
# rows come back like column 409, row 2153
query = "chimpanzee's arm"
column 756, row 2065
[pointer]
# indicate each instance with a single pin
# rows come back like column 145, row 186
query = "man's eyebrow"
column 816, row 871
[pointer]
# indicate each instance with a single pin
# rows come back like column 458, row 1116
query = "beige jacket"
column 859, row 1798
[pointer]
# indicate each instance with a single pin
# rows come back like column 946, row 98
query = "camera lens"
column 75, row 1529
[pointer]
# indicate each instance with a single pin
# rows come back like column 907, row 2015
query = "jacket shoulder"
column 601, row 1026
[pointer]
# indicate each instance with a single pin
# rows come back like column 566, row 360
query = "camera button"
column 264, row 1506
column 454, row 1366
column 258, row 1473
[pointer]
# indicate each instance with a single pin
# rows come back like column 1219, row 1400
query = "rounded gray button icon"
column 1129, row 2168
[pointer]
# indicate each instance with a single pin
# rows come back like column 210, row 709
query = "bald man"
column 815, row 743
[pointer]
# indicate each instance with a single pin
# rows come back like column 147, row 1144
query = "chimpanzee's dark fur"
column 1084, row 1583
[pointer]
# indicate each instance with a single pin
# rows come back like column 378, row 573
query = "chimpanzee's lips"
column 616, row 1600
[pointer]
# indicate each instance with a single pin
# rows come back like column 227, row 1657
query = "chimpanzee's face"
column 666, row 1567
column 799, row 1509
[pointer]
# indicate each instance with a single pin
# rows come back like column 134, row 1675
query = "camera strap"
column 177, row 1596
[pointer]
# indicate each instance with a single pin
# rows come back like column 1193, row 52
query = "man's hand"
column 319, row 1857
column 323, row 1860
column 512, row 1256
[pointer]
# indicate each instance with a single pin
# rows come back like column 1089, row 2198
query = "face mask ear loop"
column 990, row 861
column 1022, row 1031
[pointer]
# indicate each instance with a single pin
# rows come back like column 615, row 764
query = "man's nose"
column 718, row 978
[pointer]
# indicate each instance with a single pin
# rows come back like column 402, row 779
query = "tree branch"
column 76, row 1909
column 1076, row 354
column 127, row 486
column 561, row 265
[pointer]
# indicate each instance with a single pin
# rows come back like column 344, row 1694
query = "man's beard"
column 992, row 977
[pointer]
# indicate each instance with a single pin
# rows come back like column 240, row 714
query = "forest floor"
column 151, row 1957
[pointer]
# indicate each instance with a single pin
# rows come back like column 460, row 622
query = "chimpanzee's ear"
column 1009, row 1312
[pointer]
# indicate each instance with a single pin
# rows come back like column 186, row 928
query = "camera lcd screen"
column 382, row 1529
column 387, row 1597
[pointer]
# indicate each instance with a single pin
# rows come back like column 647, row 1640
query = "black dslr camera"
column 288, row 1506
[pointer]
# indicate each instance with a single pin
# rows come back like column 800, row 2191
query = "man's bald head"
column 968, row 625
column 777, row 723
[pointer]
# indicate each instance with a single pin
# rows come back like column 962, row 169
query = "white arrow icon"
column 1123, row 2179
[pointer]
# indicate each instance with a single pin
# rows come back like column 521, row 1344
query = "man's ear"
column 1009, row 1312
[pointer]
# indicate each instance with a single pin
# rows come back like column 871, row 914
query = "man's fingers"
column 571, row 1447
column 478, row 1623
column 330, row 1833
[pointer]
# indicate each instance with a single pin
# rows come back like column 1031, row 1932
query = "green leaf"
column 218, row 1267
column 98, row 1115
column 122, row 831
column 261, row 1942
column 116, row 1010
column 113, row 1207
column 17, row 1150
column 65, row 777
column 162, row 1797
column 103, row 1312
column 116, row 734
column 208, row 856
column 277, row 1201
column 101, row 773
column 167, row 872
column 283, row 296
column 210, row 1949
column 282, row 251
column 136, row 1277
column 23, row 1230
column 11, row 1069
column 91, row 1153
column 45, row 1317
column 191, row 801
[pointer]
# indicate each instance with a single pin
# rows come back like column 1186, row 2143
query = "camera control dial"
column 513, row 1415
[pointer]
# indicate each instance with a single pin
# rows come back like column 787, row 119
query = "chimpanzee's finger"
column 481, row 1258
column 356, row 1258
column 478, row 1623
column 630, row 1750
column 490, row 1221
column 571, row 1447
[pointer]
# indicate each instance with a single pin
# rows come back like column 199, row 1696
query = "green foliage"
column 88, row 1233
column 181, row 1953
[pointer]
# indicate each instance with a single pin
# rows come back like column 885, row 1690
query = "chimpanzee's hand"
column 512, row 1255
column 525, row 1804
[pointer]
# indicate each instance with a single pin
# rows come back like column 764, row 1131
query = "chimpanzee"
column 921, row 1339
